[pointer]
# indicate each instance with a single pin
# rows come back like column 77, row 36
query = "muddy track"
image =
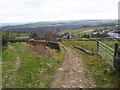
column 72, row 73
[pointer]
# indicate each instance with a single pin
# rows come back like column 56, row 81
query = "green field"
column 22, row 69
column 90, row 45
column 75, row 30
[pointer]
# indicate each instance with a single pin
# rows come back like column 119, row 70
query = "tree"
column 5, row 38
column 105, row 28
column 34, row 35
column 50, row 37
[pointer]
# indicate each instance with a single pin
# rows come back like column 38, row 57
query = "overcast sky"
column 51, row 10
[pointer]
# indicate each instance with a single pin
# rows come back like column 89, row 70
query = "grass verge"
column 22, row 69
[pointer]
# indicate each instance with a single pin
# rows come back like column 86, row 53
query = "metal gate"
column 105, row 52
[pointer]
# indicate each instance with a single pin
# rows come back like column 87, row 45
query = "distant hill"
column 10, row 24
column 43, row 27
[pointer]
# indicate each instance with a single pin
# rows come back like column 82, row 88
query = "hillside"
column 43, row 27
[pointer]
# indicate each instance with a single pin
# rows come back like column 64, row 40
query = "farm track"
column 87, row 31
column 90, row 30
column 72, row 73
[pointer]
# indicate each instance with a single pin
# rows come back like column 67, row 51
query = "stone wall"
column 53, row 45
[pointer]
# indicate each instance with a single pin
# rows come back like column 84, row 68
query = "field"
column 29, row 66
column 90, row 45
column 75, row 30
column 78, row 31
column 21, row 68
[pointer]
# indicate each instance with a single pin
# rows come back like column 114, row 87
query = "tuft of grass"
column 22, row 69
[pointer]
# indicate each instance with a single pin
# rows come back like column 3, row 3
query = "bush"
column 5, row 39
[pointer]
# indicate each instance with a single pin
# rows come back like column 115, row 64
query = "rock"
column 10, row 47
column 94, row 85
column 73, row 86
column 64, row 86
column 104, row 80
column 80, row 81
column 79, row 71
column 80, row 87
column 61, row 69
column 73, row 81
column 106, row 71
column 113, row 70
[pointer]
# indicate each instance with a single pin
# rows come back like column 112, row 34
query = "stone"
column 113, row 70
column 61, row 69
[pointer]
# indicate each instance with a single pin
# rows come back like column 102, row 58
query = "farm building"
column 68, row 36
column 115, row 35
column 87, row 35
column 22, row 38
column 19, row 39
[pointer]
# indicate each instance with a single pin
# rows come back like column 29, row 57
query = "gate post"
column 97, row 45
column 115, row 50
column 116, row 62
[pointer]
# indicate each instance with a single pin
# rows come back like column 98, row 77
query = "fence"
column 106, row 52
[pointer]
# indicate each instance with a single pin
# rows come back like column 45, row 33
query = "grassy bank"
column 22, row 69
column 96, row 66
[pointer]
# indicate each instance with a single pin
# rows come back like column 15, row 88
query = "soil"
column 42, row 50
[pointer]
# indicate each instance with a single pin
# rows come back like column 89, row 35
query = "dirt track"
column 72, row 73
column 90, row 30
column 87, row 31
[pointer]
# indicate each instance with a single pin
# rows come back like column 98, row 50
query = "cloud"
column 47, row 10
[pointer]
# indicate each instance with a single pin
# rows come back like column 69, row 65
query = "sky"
column 54, row 10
